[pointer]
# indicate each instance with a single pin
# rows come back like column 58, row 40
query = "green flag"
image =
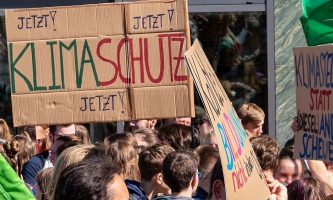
column 11, row 186
column 317, row 21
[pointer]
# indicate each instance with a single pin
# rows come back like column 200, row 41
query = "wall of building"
column 288, row 34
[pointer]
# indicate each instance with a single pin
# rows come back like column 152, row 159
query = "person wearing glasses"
column 43, row 160
column 180, row 173
column 204, row 127
column 209, row 155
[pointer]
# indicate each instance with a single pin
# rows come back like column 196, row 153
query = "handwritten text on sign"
column 238, row 160
column 107, row 62
column 169, row 47
column 314, row 83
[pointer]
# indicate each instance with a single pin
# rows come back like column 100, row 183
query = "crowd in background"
column 169, row 161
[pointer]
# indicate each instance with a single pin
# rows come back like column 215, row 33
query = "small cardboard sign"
column 314, row 82
column 103, row 62
column 243, row 176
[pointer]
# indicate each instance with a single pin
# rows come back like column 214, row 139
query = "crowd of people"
column 151, row 161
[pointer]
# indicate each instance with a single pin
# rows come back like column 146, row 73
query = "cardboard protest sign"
column 313, row 76
column 242, row 173
column 103, row 62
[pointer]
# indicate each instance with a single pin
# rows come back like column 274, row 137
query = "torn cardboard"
column 243, row 176
column 64, row 58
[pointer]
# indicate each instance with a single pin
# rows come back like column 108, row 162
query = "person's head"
column 91, row 179
column 60, row 140
column 126, row 137
column 61, row 130
column 267, row 152
column 290, row 144
column 21, row 150
column 65, row 146
column 150, row 165
column 43, row 138
column 288, row 169
column 308, row 189
column 69, row 156
column 184, row 120
column 124, row 157
column 42, row 132
column 252, row 118
column 140, row 124
column 180, row 171
column 217, row 187
column 146, row 137
column 178, row 136
column 4, row 130
column 208, row 155
column 43, row 179
column 204, row 127
column 82, row 133
column 211, row 140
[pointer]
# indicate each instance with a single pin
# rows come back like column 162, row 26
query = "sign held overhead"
column 314, row 83
column 243, row 176
column 103, row 62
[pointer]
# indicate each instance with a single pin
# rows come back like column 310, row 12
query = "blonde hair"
column 250, row 112
column 82, row 133
column 4, row 130
column 125, row 157
column 69, row 156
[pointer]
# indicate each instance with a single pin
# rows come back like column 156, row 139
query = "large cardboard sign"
column 104, row 62
column 314, row 82
column 242, row 173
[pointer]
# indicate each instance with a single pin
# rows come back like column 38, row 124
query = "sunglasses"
column 199, row 174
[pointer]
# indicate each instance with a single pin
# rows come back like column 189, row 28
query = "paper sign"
column 243, row 176
column 104, row 62
column 314, row 82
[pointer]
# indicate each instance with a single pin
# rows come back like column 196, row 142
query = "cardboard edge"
column 188, row 45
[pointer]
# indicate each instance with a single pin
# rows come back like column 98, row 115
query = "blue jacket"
column 200, row 194
column 135, row 190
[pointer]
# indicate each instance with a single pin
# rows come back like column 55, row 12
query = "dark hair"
column 151, row 160
column 88, row 179
column 308, row 189
column 286, row 153
column 43, row 179
column 68, row 138
column 267, row 151
column 178, row 169
column 66, row 145
column 209, row 155
column 82, row 132
column 53, row 128
column 217, row 174
column 179, row 136
column 290, row 143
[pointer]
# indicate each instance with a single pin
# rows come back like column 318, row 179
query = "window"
column 236, row 46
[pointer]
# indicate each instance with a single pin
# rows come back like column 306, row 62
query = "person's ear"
column 158, row 178
column 195, row 181
column 152, row 123
column 217, row 188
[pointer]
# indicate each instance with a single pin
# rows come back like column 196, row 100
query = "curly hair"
column 267, row 151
